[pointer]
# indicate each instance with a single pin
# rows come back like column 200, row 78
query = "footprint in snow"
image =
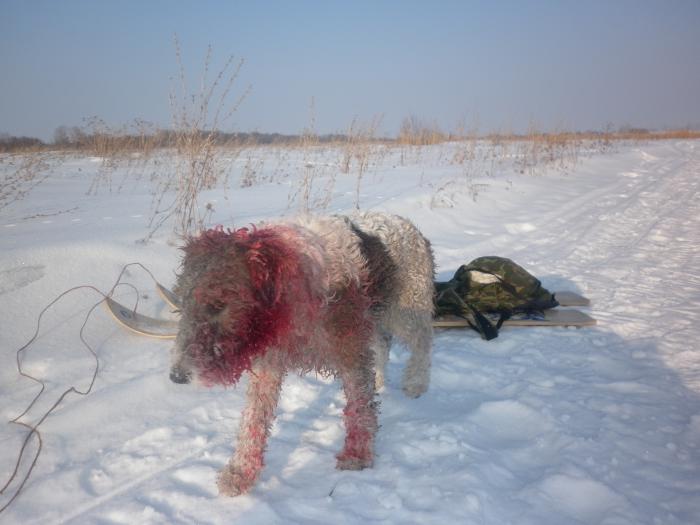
column 19, row 277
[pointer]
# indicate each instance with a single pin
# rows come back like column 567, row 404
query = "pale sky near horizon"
column 493, row 65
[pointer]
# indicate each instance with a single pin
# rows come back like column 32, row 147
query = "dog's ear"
column 272, row 263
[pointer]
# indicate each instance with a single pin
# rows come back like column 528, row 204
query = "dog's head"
column 241, row 293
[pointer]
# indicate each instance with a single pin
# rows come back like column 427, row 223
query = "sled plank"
column 553, row 317
column 167, row 329
column 142, row 324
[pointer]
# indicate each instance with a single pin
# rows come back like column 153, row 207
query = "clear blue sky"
column 496, row 64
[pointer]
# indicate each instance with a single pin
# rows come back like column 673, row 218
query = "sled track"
column 637, row 251
column 633, row 250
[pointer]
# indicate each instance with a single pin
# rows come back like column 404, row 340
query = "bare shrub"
column 21, row 173
column 197, row 119
column 252, row 169
column 309, row 146
column 312, row 167
column 360, row 149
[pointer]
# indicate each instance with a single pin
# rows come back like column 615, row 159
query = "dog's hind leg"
column 263, row 394
column 360, row 417
column 418, row 336
column 381, row 344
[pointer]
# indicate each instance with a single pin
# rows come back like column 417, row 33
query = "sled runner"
column 168, row 296
column 167, row 328
column 552, row 317
column 141, row 324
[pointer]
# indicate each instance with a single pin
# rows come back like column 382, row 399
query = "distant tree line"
column 78, row 138
column 97, row 137
column 11, row 143
column 81, row 138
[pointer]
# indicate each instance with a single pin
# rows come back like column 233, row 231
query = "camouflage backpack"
column 491, row 285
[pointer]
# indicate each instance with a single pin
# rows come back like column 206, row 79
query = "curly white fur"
column 314, row 293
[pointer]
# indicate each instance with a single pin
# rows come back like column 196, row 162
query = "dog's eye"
column 213, row 309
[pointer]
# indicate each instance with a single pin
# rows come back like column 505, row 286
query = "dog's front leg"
column 360, row 417
column 244, row 468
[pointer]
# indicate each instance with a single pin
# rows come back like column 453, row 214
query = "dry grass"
column 317, row 163
column 202, row 155
column 130, row 145
column 99, row 139
column 415, row 131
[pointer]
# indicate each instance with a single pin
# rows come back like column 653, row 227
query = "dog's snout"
column 179, row 376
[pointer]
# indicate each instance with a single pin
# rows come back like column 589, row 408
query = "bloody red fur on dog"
column 258, row 310
column 307, row 295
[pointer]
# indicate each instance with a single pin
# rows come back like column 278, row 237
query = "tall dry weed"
column 21, row 173
column 197, row 118
column 311, row 167
column 359, row 150
column 129, row 146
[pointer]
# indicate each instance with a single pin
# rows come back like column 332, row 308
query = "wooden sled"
column 167, row 328
column 552, row 317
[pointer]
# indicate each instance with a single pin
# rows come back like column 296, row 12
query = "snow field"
column 540, row 426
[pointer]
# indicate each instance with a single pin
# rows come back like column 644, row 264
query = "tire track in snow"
column 640, row 261
column 634, row 251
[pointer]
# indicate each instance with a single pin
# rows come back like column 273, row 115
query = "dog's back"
column 410, row 253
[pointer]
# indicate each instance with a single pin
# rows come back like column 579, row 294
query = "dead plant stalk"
column 199, row 164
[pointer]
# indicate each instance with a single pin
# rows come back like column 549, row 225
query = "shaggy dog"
column 324, row 294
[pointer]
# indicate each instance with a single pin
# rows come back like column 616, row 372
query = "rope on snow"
column 34, row 427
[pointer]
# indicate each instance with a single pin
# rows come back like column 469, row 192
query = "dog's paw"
column 414, row 389
column 233, row 483
column 351, row 462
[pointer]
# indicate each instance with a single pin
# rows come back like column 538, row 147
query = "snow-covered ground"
column 540, row 426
